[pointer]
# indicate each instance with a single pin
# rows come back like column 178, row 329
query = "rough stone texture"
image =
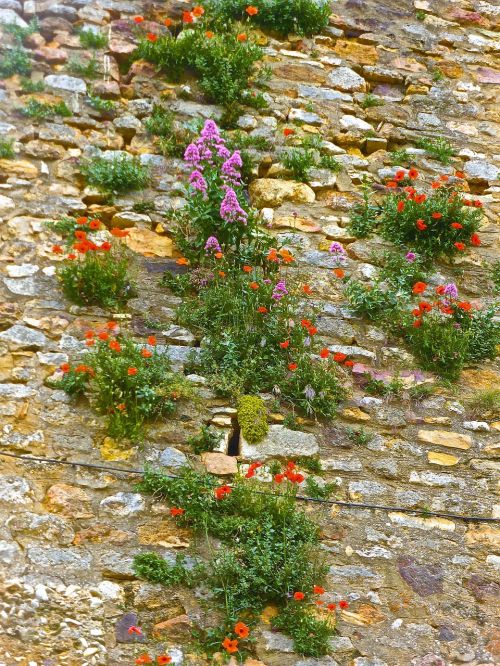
column 280, row 442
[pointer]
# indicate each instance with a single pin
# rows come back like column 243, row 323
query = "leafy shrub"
column 92, row 39
column 155, row 569
column 14, row 61
column 400, row 157
column 301, row 17
column 7, row 149
column 401, row 271
column 42, row 111
column 27, row 85
column 441, row 149
column 206, row 440
column 495, row 276
column 364, row 215
column 119, row 174
column 86, row 68
column 299, row 162
column 329, row 162
column 161, row 123
column 370, row 301
column 268, row 553
column 441, row 223
column 359, row 435
column 19, row 32
column 252, row 417
column 370, row 100
column 127, row 383
column 105, row 106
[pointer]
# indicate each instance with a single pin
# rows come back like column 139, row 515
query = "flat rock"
column 273, row 192
column 480, row 170
column 65, row 82
column 280, row 442
column 22, row 337
column 219, row 463
column 68, row 501
column 346, row 79
column 9, row 16
column 172, row 457
column 123, row 504
column 425, row 580
column 452, row 440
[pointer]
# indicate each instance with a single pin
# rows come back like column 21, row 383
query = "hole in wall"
column 233, row 444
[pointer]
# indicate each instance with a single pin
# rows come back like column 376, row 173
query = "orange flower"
column 71, row 256
column 338, row 272
column 151, row 37
column 134, row 630
column 241, row 630
column 317, row 589
column 241, row 37
column 65, row 367
column 57, row 249
column 182, row 261
column 115, row 346
column 331, row 607
column 222, row 491
column 262, row 309
column 391, row 184
column 111, row 325
column 412, row 173
column 419, row 287
column 285, row 344
column 343, row 605
column 144, row 659
column 81, row 220
column 444, row 178
column 459, row 246
column 209, row 34
column 122, row 407
column 89, row 335
column 399, row 175
column 222, row 274
column 292, row 366
column 279, row 478
column 253, row 285
column 348, row 364
column 151, row 340
column 420, row 224
column 247, row 269
column 80, row 235
column 175, row 511
column 90, row 343
column 339, row 357
column 198, row 11
column 436, row 216
column 187, row 17
column 420, row 198
column 218, row 255
column 168, row 22
column 288, row 131
column 138, row 19
column 307, row 289
column 456, row 225
column 132, row 371
column 459, row 174
column 94, row 224
column 475, row 240
column 436, row 185
column 401, row 206
column 298, row 596
column 251, row 10
column 103, row 335
column 324, row 353
column 229, row 645
column 145, row 353
column 463, row 305
column 163, row 659
column 118, row 233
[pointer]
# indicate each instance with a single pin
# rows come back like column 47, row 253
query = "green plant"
column 317, row 490
column 15, row 60
column 252, row 418
column 311, row 464
column 370, row 301
column 155, row 569
column 364, row 215
column 495, row 276
column 329, row 162
column 299, row 162
column 420, row 15
column 7, row 149
column 41, row 111
column 119, row 174
column 400, row 157
column 29, row 86
column 129, row 384
column 440, row 148
column 207, row 439
column 393, row 388
column 145, row 206
column 370, row 100
column 172, row 141
column 437, row 75
column 268, row 551
column 420, row 392
column 485, row 404
column 20, row 33
column 105, row 106
column 401, row 271
column 92, row 39
column 302, row 17
column 88, row 68
column 359, row 435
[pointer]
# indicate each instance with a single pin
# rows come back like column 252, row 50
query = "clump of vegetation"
column 19, row 32
column 301, row 17
column 390, row 389
column 241, row 581
column 440, row 148
column 299, row 162
column 29, row 86
column 104, row 106
column 495, row 276
column 370, row 100
column 172, row 140
column 364, row 215
column 42, row 111
column 88, row 68
column 207, row 439
column 119, row 174
column 400, row 157
column 252, row 418
column 92, row 39
column 7, row 149
column 359, row 435
column 15, row 60
column 485, row 404
column 129, row 384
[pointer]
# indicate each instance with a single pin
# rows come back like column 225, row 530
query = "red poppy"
column 440, row 289
column 134, row 630
column 298, row 596
column 118, row 233
column 459, row 246
column 182, row 261
column 89, row 334
column 401, row 206
column 94, row 224
column 412, row 173
column 251, row 470
column 221, row 274
column 392, row 184
column 292, row 367
column 307, row 289
column 251, row 10
column 82, row 220
column 324, row 353
column 111, row 325
column 247, row 269
column 475, row 240
column 115, row 346
column 312, row 330
column 163, row 659
column 420, row 198
column 288, row 131
column 103, row 335
column 241, row 630
column 241, row 37
column 444, row 178
column 456, row 225
column 285, row 344
column 459, row 174
column 253, row 285
column 305, row 323
column 175, row 511
column 419, row 287
column 343, row 604
column 424, row 306
column 400, row 175
column 144, row 659
column 209, row 34
column 436, row 215
column 145, row 353
column 467, row 202
column 71, row 256
column 105, row 247
column 477, row 204
column 57, row 249
column 218, row 255
column 338, row 272
column 348, row 364
column 151, row 340
column 279, row 478
column 262, row 309
column 121, row 407
column 222, row 491
column 80, row 235
column 151, row 37
column 339, row 357
column 464, row 305
column 317, row 589
column 417, row 323
column 187, row 17
column 168, row 22
column 198, row 11
column 331, row 607
column 65, row 367
column 131, row 371
column 416, row 312
column 229, row 645
column 420, row 224
column 436, row 185
column 138, row 19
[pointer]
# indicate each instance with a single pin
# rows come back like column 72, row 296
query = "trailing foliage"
column 92, row 39
column 41, row 111
column 119, row 174
column 15, row 60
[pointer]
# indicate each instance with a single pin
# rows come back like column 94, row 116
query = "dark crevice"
column 233, row 445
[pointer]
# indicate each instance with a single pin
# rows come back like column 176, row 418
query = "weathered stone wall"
column 422, row 590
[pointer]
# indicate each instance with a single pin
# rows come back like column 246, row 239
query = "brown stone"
column 355, row 52
column 68, row 501
column 444, row 459
column 101, row 533
column 273, row 192
column 296, row 223
column 355, row 414
column 480, row 379
column 178, row 627
column 18, row 168
column 483, row 534
column 219, row 463
column 148, row 243
column 452, row 440
column 165, row 533
column 366, row 615
column 450, row 69
column 301, row 73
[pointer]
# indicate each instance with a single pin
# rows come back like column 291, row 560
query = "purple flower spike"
column 451, row 290
column 230, row 209
column 410, row 257
column 212, row 244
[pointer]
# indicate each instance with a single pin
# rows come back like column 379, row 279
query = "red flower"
column 151, row 37
column 253, row 285
column 475, row 240
column 132, row 371
column 420, row 198
column 401, row 206
column 144, row 659
column 118, row 233
column 81, row 220
column 440, row 289
column 339, row 357
column 182, row 261
column 229, row 645
column 262, row 309
column 298, row 596
column 121, row 407
column 115, row 346
column 436, row 216
column 134, row 630
column 251, row 470
column 209, row 34
column 138, row 19
column 392, row 184
column 419, row 287
column 456, row 225
column 198, row 11
column 111, row 325
column 241, row 630
column 348, row 364
column 400, row 175
column 417, row 323
column 285, row 344
column 324, row 353
column 317, row 589
column 292, row 366
column 163, row 659
column 151, row 340
column 459, row 246
column 307, row 289
column 436, row 185
column 80, row 235
column 222, row 491
column 412, row 173
column 279, row 478
column 241, row 37
column 187, row 17
column 94, row 224
column 459, row 174
column 338, row 272
column 247, row 269
column 463, row 305
column 343, row 604
column 105, row 247
column 71, row 256
column 103, row 335
column 305, row 323
column 288, row 131
column 477, row 204
column 251, row 10
column 331, row 607
column 168, row 22
column 175, row 511
column 89, row 334
column 145, row 353
column 65, row 367
column 421, row 226
column 424, row 306
column 312, row 330
column 57, row 249
column 444, row 178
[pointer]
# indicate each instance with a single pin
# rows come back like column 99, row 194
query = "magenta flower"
column 212, row 244
column 230, row 209
column 192, row 154
column 197, row 182
column 279, row 291
column 230, row 169
column 410, row 257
